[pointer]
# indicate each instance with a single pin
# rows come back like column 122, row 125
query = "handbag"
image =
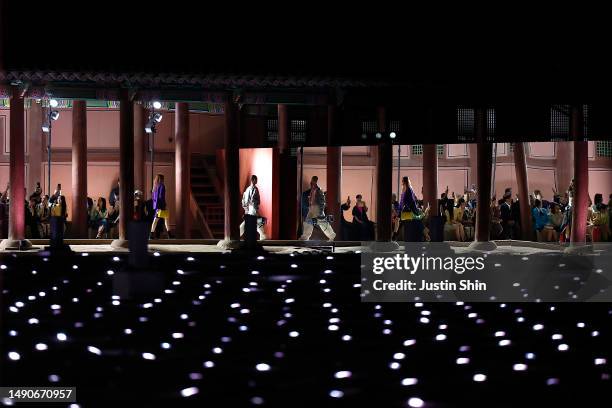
column 163, row 214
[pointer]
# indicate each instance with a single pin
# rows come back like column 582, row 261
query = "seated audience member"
column 540, row 219
column 5, row 195
column 361, row 220
column 44, row 212
column 90, row 210
column 37, row 194
column 453, row 224
column 507, row 218
column 32, row 219
column 496, row 228
column 598, row 221
column 553, row 228
column 566, row 224
column 141, row 212
column 347, row 228
column 100, row 217
column 468, row 223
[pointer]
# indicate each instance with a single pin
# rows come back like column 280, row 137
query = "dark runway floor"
column 230, row 330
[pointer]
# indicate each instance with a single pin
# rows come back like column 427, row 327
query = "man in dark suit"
column 508, row 221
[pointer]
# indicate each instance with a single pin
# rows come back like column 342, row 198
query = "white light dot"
column 343, row 374
column 209, row 364
column 94, row 350
column 332, row 327
column 13, row 355
column 563, row 347
column 217, row 350
column 177, row 335
column 409, row 342
column 462, row 360
column 394, row 365
column 399, row 356
column 188, row 392
column 346, row 337
column 441, row 337
column 600, row 361
column 293, row 333
column 336, row 394
column 415, row 402
column 53, row 378
column 479, row 377
column 538, row 327
column 519, row 367
column 41, row 347
column 165, row 346
column 148, row 356
column 409, row 381
column 262, row 367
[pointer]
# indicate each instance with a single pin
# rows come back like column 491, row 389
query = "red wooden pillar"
column 288, row 178
column 126, row 167
column 384, row 174
column 334, row 170
column 140, row 119
column 564, row 165
column 484, row 155
column 581, row 176
column 430, row 177
column 16, row 231
column 520, row 165
column 79, row 169
column 182, row 169
column 334, row 184
column 231, row 171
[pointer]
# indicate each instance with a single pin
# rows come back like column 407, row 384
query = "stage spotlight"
column 157, row 105
column 54, row 115
column 379, row 135
column 157, row 117
column 392, row 135
column 45, row 128
column 53, row 103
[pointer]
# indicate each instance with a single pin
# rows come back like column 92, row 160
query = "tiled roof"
column 224, row 81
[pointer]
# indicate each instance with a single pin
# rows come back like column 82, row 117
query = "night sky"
column 399, row 47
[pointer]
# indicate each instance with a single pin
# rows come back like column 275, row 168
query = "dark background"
column 392, row 43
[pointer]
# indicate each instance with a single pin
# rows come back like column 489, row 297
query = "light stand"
column 47, row 127
column 151, row 128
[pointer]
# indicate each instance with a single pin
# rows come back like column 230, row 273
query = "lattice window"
column 491, row 125
column 417, row 150
column 369, row 126
column 394, row 126
column 604, row 149
column 465, row 124
column 559, row 123
column 299, row 129
column 272, row 130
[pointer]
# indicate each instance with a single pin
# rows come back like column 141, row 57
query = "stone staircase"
column 207, row 198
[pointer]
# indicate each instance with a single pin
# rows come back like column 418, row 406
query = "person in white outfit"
column 250, row 203
column 313, row 212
